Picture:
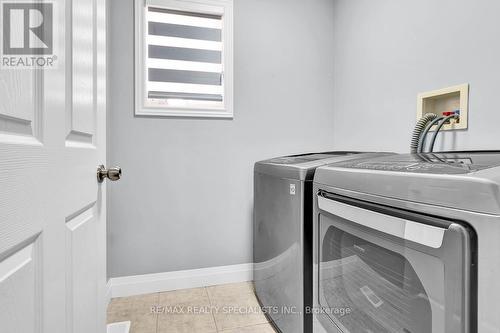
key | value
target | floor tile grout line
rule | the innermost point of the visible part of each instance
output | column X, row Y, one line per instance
column 157, row 304
column 250, row 292
column 247, row 326
column 211, row 309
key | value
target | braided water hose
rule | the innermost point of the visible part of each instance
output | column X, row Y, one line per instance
column 441, row 124
column 426, row 131
column 419, row 128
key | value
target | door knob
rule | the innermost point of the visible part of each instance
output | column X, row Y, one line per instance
column 112, row 174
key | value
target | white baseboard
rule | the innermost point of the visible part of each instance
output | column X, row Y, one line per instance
column 204, row 277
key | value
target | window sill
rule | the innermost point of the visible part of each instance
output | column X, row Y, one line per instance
column 183, row 113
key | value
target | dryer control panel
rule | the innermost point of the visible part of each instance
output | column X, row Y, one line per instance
column 442, row 163
column 304, row 158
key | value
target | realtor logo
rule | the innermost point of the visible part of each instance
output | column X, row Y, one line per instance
column 27, row 35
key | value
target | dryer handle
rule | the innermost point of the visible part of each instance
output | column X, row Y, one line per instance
column 424, row 234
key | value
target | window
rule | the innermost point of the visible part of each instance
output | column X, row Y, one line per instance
column 184, row 58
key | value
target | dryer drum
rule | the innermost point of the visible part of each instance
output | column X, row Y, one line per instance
column 381, row 283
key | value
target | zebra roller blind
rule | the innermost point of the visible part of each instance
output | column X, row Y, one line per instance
column 184, row 63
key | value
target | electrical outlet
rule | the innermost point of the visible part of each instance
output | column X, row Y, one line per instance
column 445, row 102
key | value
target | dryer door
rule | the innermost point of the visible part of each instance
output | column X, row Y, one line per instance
column 386, row 270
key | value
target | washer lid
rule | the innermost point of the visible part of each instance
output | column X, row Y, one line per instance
column 302, row 166
column 462, row 180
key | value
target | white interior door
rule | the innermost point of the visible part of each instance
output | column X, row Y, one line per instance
column 52, row 209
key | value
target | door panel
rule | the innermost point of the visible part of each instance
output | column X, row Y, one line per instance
column 81, row 272
column 81, row 115
column 20, row 287
column 20, row 110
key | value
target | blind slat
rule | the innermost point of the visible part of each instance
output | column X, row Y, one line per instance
column 185, row 96
column 184, row 31
column 187, row 54
column 184, row 20
column 183, row 13
column 184, row 42
column 185, row 88
column 184, row 65
column 169, row 75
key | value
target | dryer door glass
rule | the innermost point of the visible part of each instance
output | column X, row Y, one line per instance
column 401, row 278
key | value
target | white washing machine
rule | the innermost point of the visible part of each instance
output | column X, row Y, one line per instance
column 408, row 244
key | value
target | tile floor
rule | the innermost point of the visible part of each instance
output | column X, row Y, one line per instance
column 230, row 308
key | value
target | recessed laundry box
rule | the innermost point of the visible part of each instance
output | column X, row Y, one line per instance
column 283, row 236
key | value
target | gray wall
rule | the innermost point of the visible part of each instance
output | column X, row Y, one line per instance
column 185, row 200
column 387, row 51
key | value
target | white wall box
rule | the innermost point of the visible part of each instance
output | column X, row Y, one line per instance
column 184, row 58
column 446, row 100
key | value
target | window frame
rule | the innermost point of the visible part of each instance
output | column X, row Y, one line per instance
column 217, row 7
